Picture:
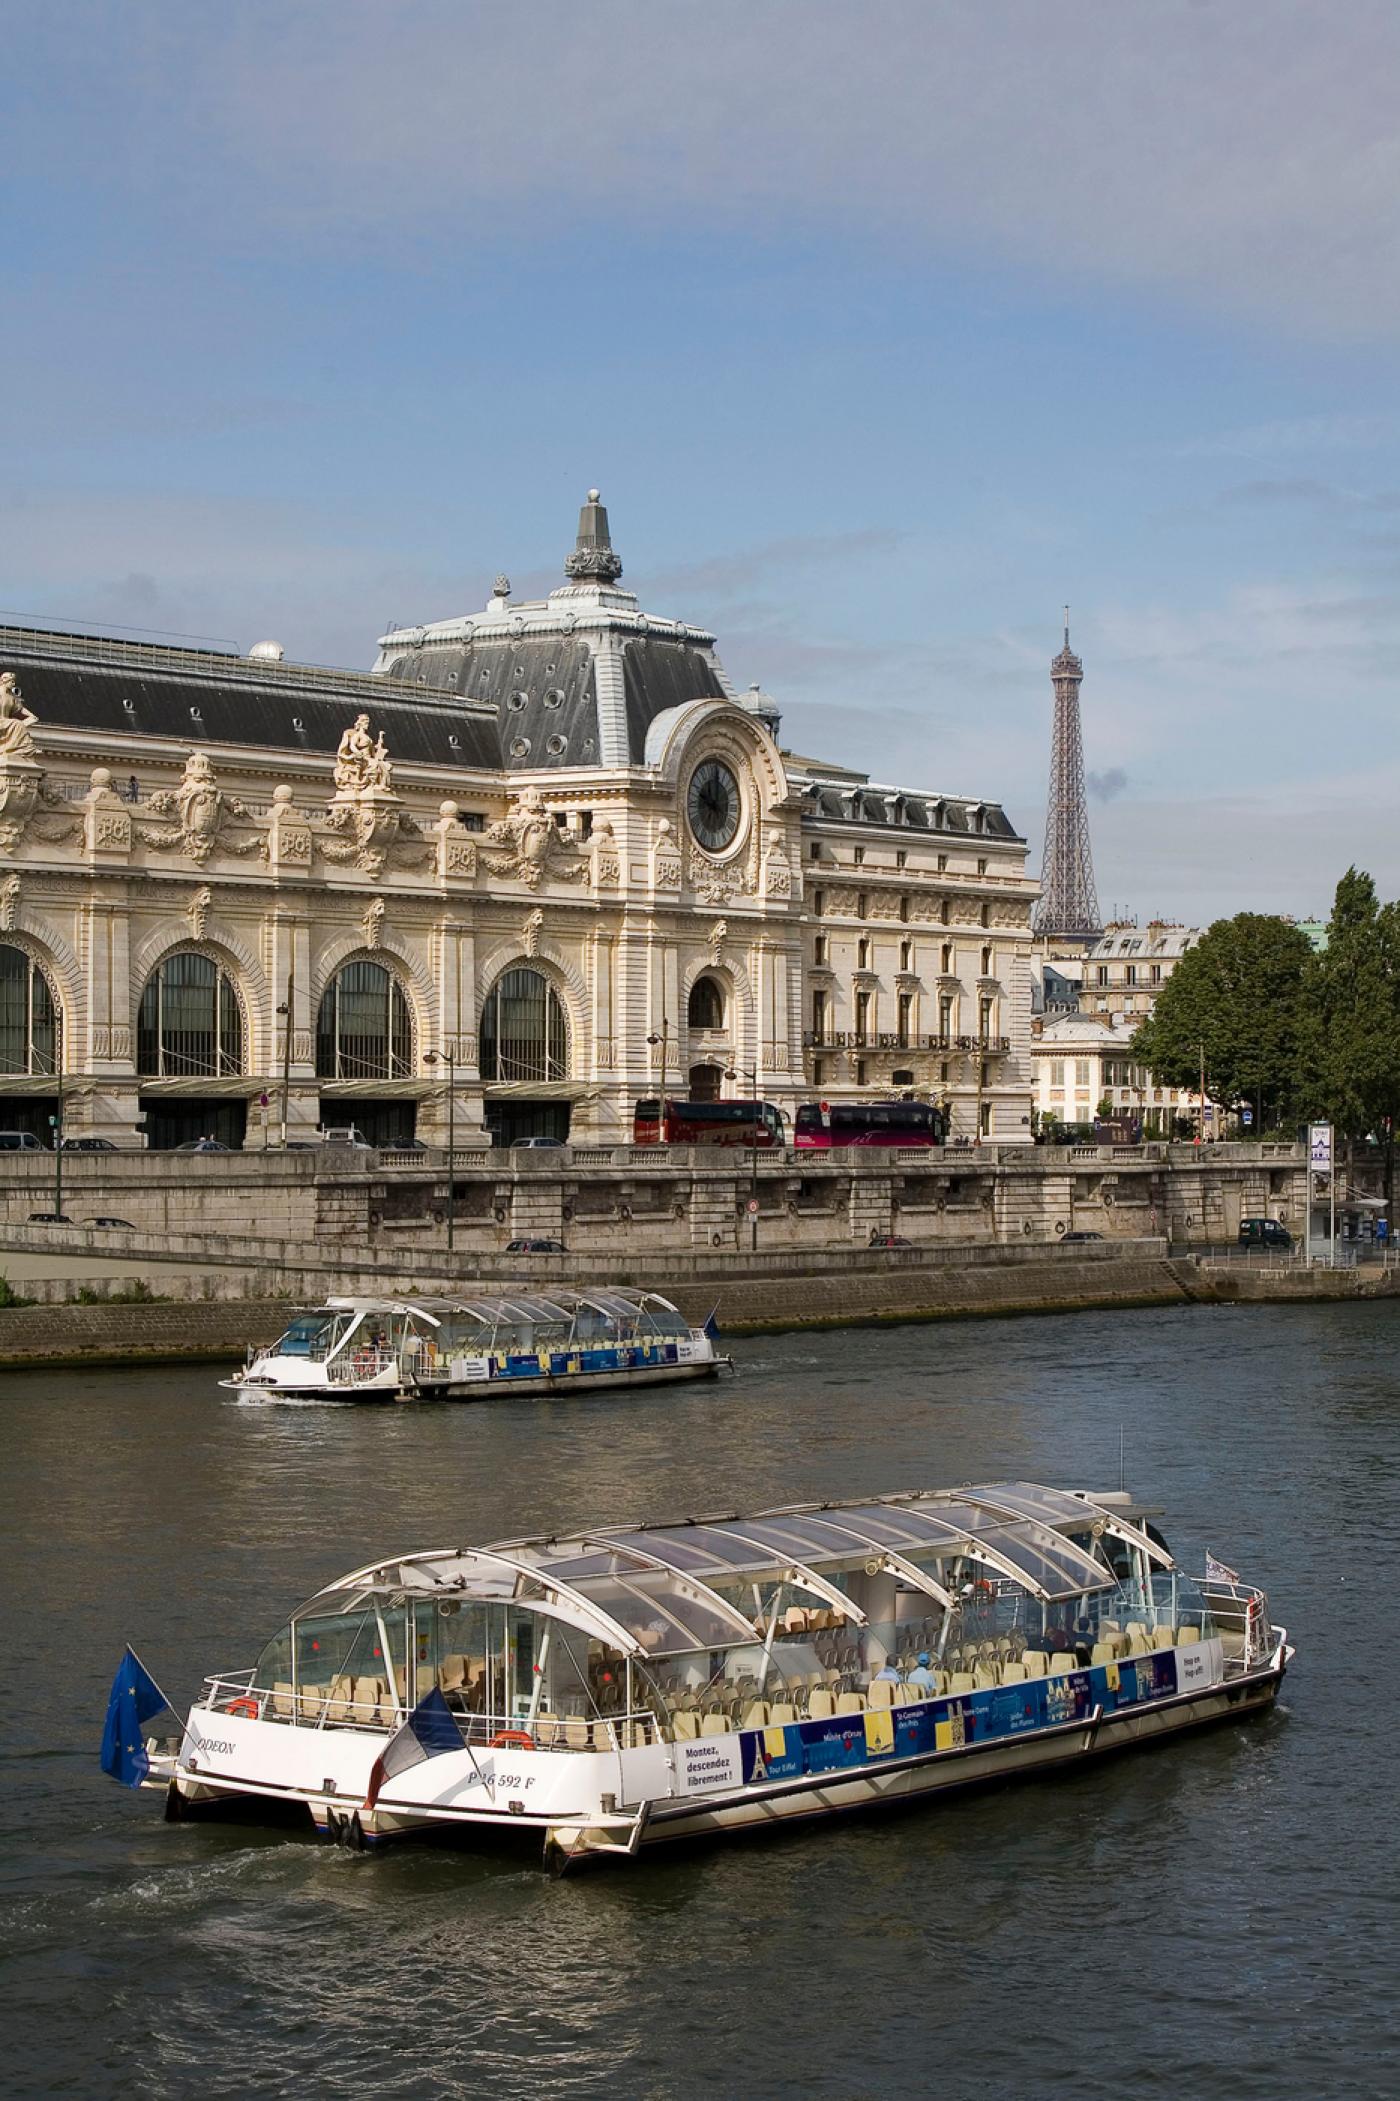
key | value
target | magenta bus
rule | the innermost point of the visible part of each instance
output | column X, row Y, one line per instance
column 757, row 1124
column 822, row 1125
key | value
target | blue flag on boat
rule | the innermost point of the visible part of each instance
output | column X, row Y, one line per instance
column 430, row 1730
column 135, row 1698
column 711, row 1328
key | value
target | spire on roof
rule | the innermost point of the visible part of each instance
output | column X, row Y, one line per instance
column 593, row 559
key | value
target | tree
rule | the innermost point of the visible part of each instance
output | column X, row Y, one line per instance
column 1353, row 1015
column 1235, row 1002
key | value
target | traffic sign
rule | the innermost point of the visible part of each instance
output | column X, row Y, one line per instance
column 1246, row 1117
column 752, row 1205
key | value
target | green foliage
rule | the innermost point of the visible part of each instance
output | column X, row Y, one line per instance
column 1237, row 1000
column 137, row 1293
column 9, row 1296
column 1353, row 1044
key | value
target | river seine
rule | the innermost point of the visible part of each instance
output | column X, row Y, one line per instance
column 1214, row 1918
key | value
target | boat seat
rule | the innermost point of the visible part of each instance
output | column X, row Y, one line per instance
column 424, row 1679
column 284, row 1698
column 1013, row 1674
column 755, row 1715
column 338, row 1699
column 962, row 1681
column 821, row 1704
column 849, row 1703
column 685, row 1725
column 882, row 1692
column 1104, row 1652
column 1187, row 1635
column 984, row 1677
column 1163, row 1637
column 905, row 1695
column 313, row 1701
column 780, row 1713
column 578, row 1735
column 1109, row 1627
column 1063, row 1661
column 1141, row 1643
column 714, row 1723
column 452, row 1673
column 1135, row 1627
column 1035, row 1661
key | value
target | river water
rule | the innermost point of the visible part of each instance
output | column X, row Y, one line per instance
column 1219, row 1917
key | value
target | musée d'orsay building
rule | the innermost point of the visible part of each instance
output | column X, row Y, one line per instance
column 532, row 854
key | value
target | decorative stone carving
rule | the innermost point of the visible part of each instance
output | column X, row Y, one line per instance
column 201, row 812
column 361, row 762
column 777, row 872
column 456, row 854
column 15, row 721
column 197, row 911
column 528, row 846
column 373, row 922
column 666, row 857
column 718, row 881
column 107, row 817
column 531, row 931
column 9, row 903
column 287, row 840
column 607, row 862
column 718, row 935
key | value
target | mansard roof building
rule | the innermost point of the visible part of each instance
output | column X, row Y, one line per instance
column 541, row 861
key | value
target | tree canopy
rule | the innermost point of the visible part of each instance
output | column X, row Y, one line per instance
column 1353, row 1013
column 1237, row 1001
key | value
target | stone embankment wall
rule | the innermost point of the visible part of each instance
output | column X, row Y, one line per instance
column 652, row 1203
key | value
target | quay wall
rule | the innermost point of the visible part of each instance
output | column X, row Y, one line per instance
column 656, row 1202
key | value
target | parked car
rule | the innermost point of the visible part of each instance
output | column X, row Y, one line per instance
column 88, row 1145
column 346, row 1134
column 50, row 1218
column 1083, row 1236
column 203, row 1145
column 1264, row 1232
column 535, row 1145
column 536, row 1247
column 113, row 1225
column 406, row 1145
column 19, row 1142
column 889, row 1240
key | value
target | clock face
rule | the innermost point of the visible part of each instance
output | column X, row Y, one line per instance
column 713, row 806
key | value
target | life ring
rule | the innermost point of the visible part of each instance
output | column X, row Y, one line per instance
column 521, row 1738
column 250, row 1708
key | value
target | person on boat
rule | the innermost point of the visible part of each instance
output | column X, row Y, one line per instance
column 889, row 1675
column 921, row 1674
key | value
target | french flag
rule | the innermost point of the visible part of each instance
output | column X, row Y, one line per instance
column 430, row 1731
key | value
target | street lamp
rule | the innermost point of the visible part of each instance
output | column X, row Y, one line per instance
column 449, row 1059
column 749, row 1073
column 285, row 1009
column 664, row 1039
column 58, row 1108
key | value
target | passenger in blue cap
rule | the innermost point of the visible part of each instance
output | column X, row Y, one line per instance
column 922, row 1675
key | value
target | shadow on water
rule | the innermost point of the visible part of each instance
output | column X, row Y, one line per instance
column 1220, row 1909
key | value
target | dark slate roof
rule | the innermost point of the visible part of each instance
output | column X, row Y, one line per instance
column 208, row 697
column 843, row 802
column 540, row 688
column 658, row 675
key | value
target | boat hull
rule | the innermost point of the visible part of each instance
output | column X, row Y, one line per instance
column 509, row 1387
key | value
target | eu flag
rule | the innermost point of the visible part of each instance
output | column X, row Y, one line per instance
column 134, row 1698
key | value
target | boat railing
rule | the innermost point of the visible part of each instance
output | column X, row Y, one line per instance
column 1240, row 1612
column 338, row 1705
column 363, row 1363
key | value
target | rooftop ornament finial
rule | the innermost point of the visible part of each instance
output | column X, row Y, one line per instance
column 593, row 559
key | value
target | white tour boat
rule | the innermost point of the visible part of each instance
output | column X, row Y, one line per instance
column 470, row 1349
column 613, row 1689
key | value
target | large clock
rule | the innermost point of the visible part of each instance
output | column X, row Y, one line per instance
column 713, row 805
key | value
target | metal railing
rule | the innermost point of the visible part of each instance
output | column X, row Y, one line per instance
column 332, row 1706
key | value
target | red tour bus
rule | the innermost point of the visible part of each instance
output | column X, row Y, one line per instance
column 757, row 1124
column 821, row 1125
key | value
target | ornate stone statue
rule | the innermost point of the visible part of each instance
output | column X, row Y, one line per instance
column 362, row 764
column 200, row 811
column 15, row 721
column 530, row 845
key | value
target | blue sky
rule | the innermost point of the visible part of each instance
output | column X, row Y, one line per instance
column 883, row 330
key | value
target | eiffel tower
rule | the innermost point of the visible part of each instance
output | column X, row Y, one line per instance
column 1068, row 907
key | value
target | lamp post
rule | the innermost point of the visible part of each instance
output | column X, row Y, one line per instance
column 749, row 1073
column 58, row 1109
column 449, row 1059
column 285, row 1009
column 664, row 1039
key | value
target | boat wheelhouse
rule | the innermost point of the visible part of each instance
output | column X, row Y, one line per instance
column 517, row 1342
column 616, row 1688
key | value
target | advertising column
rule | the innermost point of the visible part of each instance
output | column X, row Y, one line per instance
column 1321, row 1183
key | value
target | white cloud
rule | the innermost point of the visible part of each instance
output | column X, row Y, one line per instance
column 1245, row 157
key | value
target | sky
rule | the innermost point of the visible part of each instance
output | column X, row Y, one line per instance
column 884, row 330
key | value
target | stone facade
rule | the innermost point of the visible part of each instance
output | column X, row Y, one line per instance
column 539, row 863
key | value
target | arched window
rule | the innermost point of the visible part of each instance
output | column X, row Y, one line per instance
column 524, row 1032
column 190, row 1022
column 28, row 1030
column 706, row 1005
column 362, row 1026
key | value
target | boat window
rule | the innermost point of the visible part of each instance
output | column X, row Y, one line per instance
column 653, row 1608
column 312, row 1335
